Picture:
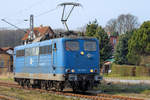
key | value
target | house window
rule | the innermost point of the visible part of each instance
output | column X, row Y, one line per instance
column 114, row 41
column 1, row 63
column 8, row 62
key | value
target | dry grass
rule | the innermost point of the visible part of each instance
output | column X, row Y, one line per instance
column 7, row 77
column 21, row 94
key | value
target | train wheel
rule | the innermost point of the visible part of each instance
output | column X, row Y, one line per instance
column 59, row 87
column 74, row 89
column 49, row 85
column 44, row 85
column 74, row 86
column 28, row 84
column 22, row 83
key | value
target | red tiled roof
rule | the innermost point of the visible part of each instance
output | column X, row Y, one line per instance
column 6, row 48
column 1, row 49
column 42, row 30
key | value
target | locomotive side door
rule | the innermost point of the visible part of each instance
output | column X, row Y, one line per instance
column 54, row 58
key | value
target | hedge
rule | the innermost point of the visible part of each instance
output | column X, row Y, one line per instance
column 142, row 71
column 127, row 70
column 145, row 61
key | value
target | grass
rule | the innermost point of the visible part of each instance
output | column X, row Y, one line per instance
column 7, row 77
column 132, row 90
column 30, row 94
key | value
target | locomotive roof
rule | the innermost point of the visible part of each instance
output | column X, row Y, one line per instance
column 47, row 41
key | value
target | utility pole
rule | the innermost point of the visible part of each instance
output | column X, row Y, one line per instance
column 31, row 34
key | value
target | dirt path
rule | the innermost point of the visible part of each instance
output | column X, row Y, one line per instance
column 116, row 80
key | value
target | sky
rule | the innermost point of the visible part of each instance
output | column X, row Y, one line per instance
column 47, row 13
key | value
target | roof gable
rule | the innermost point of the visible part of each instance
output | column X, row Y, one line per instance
column 39, row 31
column 7, row 48
column 3, row 51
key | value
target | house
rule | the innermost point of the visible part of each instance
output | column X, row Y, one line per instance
column 105, row 69
column 6, row 61
column 113, row 38
column 9, row 50
column 40, row 33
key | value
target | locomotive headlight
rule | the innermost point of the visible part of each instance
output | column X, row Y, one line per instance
column 91, row 70
column 82, row 53
column 72, row 70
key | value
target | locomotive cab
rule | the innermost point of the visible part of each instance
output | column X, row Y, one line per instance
column 81, row 60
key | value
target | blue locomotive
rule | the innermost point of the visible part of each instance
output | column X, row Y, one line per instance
column 58, row 63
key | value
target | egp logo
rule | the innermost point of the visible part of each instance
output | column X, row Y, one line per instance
column 82, row 70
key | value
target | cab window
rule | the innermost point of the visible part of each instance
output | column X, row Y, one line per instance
column 90, row 46
column 72, row 45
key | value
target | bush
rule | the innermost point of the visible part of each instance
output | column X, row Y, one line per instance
column 134, row 59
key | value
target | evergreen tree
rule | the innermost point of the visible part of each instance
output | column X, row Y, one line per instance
column 91, row 28
column 121, row 49
column 94, row 30
column 139, row 44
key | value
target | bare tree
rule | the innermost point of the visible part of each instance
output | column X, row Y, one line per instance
column 111, row 26
column 82, row 30
column 122, row 24
column 132, row 22
column 10, row 38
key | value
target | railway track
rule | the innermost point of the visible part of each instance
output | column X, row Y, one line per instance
column 77, row 95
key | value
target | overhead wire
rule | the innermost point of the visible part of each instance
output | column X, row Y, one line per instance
column 43, row 13
column 26, row 9
column 19, row 12
column 36, row 16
